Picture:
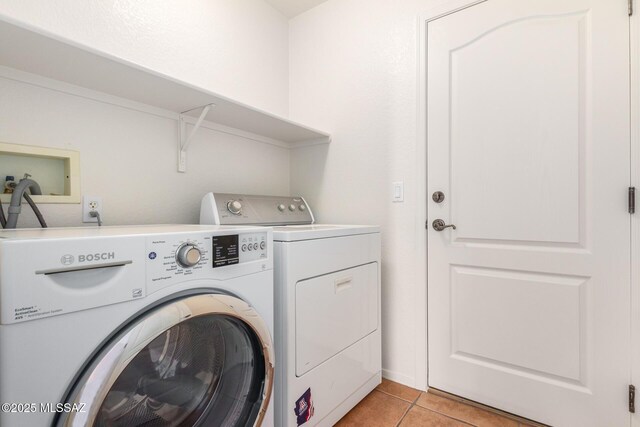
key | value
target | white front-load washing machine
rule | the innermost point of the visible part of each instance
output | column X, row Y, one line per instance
column 327, row 305
column 136, row 326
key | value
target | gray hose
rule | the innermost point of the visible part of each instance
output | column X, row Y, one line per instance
column 3, row 219
column 16, row 200
column 36, row 211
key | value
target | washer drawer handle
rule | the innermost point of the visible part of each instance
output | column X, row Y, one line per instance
column 84, row 267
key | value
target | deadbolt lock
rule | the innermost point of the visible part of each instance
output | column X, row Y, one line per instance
column 438, row 197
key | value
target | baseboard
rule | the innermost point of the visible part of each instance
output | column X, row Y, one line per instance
column 399, row 378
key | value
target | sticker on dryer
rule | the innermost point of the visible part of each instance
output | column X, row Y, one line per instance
column 304, row 407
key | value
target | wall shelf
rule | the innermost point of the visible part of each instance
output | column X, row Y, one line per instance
column 36, row 52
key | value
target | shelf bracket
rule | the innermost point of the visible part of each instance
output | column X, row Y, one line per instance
column 184, row 140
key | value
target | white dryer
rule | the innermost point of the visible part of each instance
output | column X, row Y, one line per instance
column 136, row 326
column 327, row 305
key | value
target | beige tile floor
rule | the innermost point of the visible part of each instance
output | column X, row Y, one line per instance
column 392, row 404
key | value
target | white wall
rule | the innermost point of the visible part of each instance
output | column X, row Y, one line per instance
column 129, row 158
column 353, row 67
column 234, row 47
column 237, row 48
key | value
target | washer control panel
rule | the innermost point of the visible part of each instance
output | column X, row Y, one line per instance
column 70, row 270
column 238, row 248
column 188, row 255
column 237, row 209
column 170, row 257
column 253, row 246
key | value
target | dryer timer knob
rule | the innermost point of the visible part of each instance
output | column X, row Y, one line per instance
column 234, row 206
column 188, row 255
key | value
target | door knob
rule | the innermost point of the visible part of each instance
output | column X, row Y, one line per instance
column 440, row 225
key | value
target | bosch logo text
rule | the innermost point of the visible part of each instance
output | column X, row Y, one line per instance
column 97, row 257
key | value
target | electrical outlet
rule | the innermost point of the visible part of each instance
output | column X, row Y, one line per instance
column 91, row 203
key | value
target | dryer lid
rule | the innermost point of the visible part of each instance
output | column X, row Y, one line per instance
column 293, row 233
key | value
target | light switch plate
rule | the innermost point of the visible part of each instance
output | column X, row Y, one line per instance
column 397, row 194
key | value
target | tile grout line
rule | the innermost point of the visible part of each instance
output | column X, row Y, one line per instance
column 468, row 403
column 524, row 422
column 414, row 404
column 397, row 397
column 408, row 409
column 451, row 417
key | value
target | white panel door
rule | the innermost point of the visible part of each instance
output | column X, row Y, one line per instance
column 528, row 139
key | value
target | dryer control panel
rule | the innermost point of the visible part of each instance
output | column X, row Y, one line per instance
column 239, row 209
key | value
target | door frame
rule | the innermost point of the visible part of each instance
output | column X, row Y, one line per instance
column 446, row 7
column 634, row 56
column 443, row 8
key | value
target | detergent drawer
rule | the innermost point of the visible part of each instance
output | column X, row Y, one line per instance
column 334, row 311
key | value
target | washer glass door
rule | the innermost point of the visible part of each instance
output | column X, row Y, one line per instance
column 201, row 360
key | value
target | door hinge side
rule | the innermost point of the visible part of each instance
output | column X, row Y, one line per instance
column 632, row 399
column 630, row 7
column 632, row 200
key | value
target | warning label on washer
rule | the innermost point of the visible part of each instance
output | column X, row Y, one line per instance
column 304, row 407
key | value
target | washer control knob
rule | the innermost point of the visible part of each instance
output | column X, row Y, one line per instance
column 263, row 245
column 188, row 255
column 235, row 207
column 292, row 207
column 281, row 207
column 302, row 208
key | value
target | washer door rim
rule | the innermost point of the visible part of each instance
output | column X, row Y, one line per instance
column 114, row 358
